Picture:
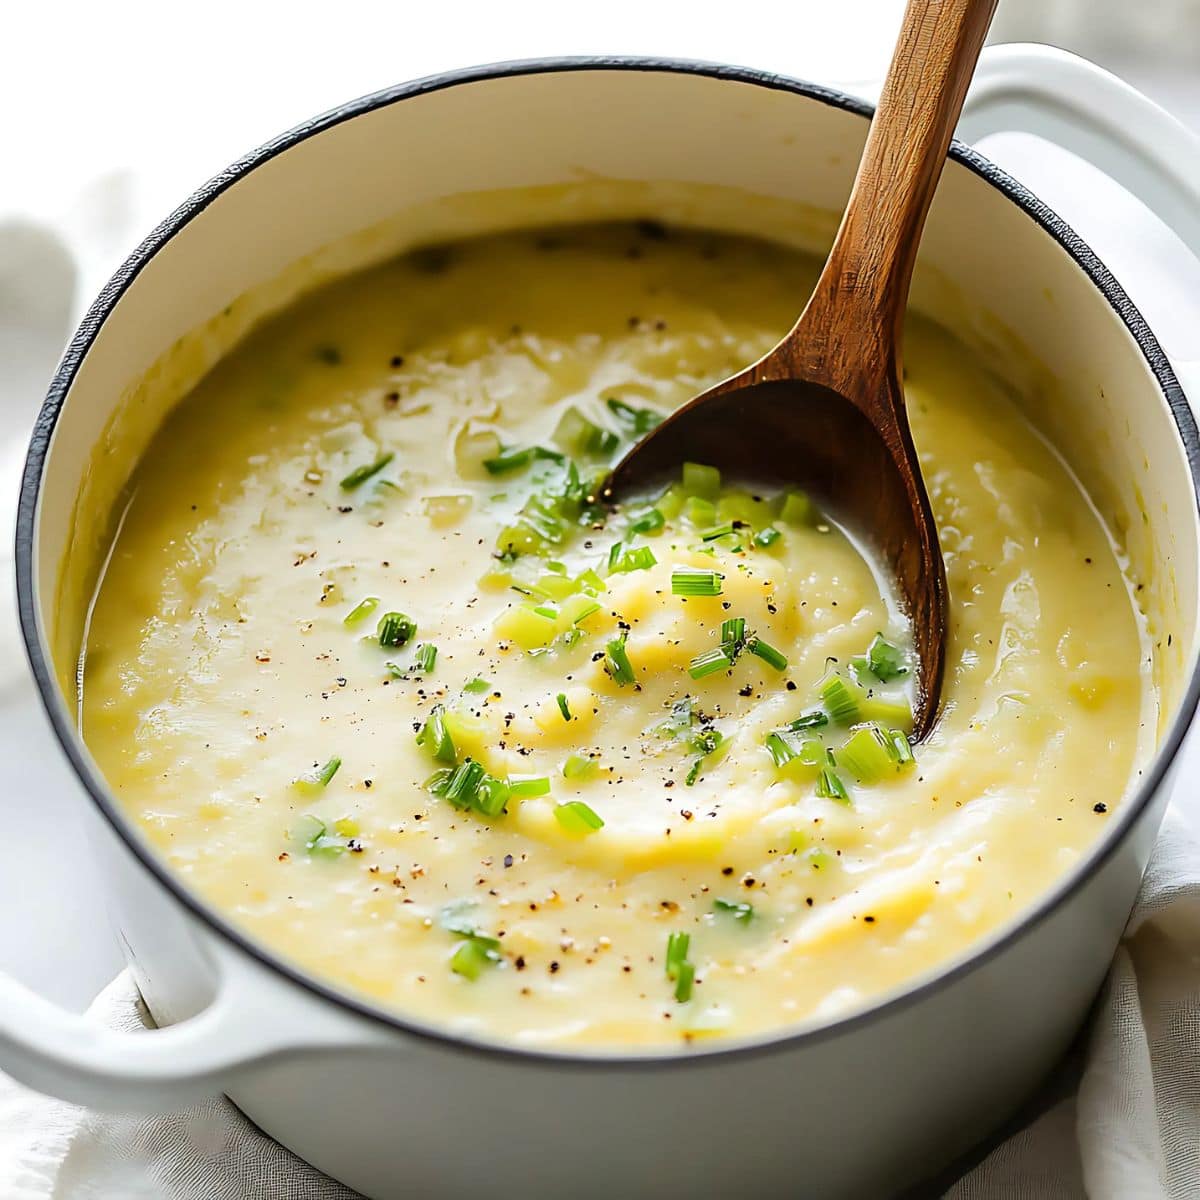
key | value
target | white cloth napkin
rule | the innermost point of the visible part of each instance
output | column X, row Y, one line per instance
column 1131, row 1132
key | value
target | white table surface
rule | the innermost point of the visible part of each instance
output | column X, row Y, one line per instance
column 116, row 112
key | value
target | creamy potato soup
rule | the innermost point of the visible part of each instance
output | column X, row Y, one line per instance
column 382, row 685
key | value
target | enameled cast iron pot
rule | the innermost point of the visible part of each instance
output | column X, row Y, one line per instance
column 864, row 1106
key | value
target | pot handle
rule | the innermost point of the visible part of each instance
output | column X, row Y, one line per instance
column 250, row 1021
column 1079, row 106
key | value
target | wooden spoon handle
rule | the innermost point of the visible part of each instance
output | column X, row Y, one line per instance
column 852, row 323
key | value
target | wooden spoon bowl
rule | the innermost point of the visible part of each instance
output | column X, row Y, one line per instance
column 824, row 410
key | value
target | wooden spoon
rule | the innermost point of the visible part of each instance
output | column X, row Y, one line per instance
column 825, row 409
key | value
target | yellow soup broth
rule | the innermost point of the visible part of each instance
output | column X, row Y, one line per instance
column 497, row 820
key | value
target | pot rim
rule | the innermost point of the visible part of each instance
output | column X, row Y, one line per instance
column 101, row 308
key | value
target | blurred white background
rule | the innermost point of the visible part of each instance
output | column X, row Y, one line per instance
column 110, row 114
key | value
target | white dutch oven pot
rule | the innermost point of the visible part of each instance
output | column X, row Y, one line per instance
column 864, row 1106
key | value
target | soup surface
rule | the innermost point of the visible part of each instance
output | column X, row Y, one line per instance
column 377, row 683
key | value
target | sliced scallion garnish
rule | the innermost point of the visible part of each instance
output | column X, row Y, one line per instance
column 650, row 521
column 798, row 509
column 463, row 784
column 709, row 662
column 684, row 982
column 701, row 480
column 901, row 747
column 396, row 629
column 768, row 653
column 739, row 910
column 578, row 818
column 425, row 657
column 677, row 952
column 884, row 660
column 767, row 537
column 563, row 706
column 318, row 778
column 616, row 662
column 473, row 956
column 639, row 421
column 579, row 766
column 363, row 609
column 867, row 755
column 435, row 738
column 814, row 719
column 639, row 559
column 841, row 699
column 476, row 686
column 830, row 786
column 679, row 968
column 523, row 787
column 690, row 581
column 360, row 475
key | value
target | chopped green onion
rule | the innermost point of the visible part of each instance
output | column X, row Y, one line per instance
column 563, row 706
column 884, row 660
column 650, row 521
column 425, row 657
column 767, row 537
column 678, row 967
column 738, row 909
column 699, row 511
column 579, row 766
column 463, row 784
column 473, row 956
column 694, row 773
column 616, row 661
column 901, row 749
column 798, row 509
column 476, row 686
column 492, row 795
column 614, row 554
column 733, row 636
column 640, row 559
column 522, row 787
column 578, row 608
column 717, row 531
column 318, row 779
column 684, row 981
column 313, row 835
column 435, row 737
column 639, row 420
column 677, row 952
column 815, row 719
column 840, row 698
column 866, row 755
column 709, row 663
column 768, row 653
column 544, row 610
column 513, row 459
column 363, row 609
column 396, row 629
column 780, row 747
column 308, row 831
column 891, row 712
column 590, row 582
column 830, row 787
column 551, row 587
column 577, row 434
column 701, row 480
column 688, row 581
column 577, row 818
column 360, row 475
